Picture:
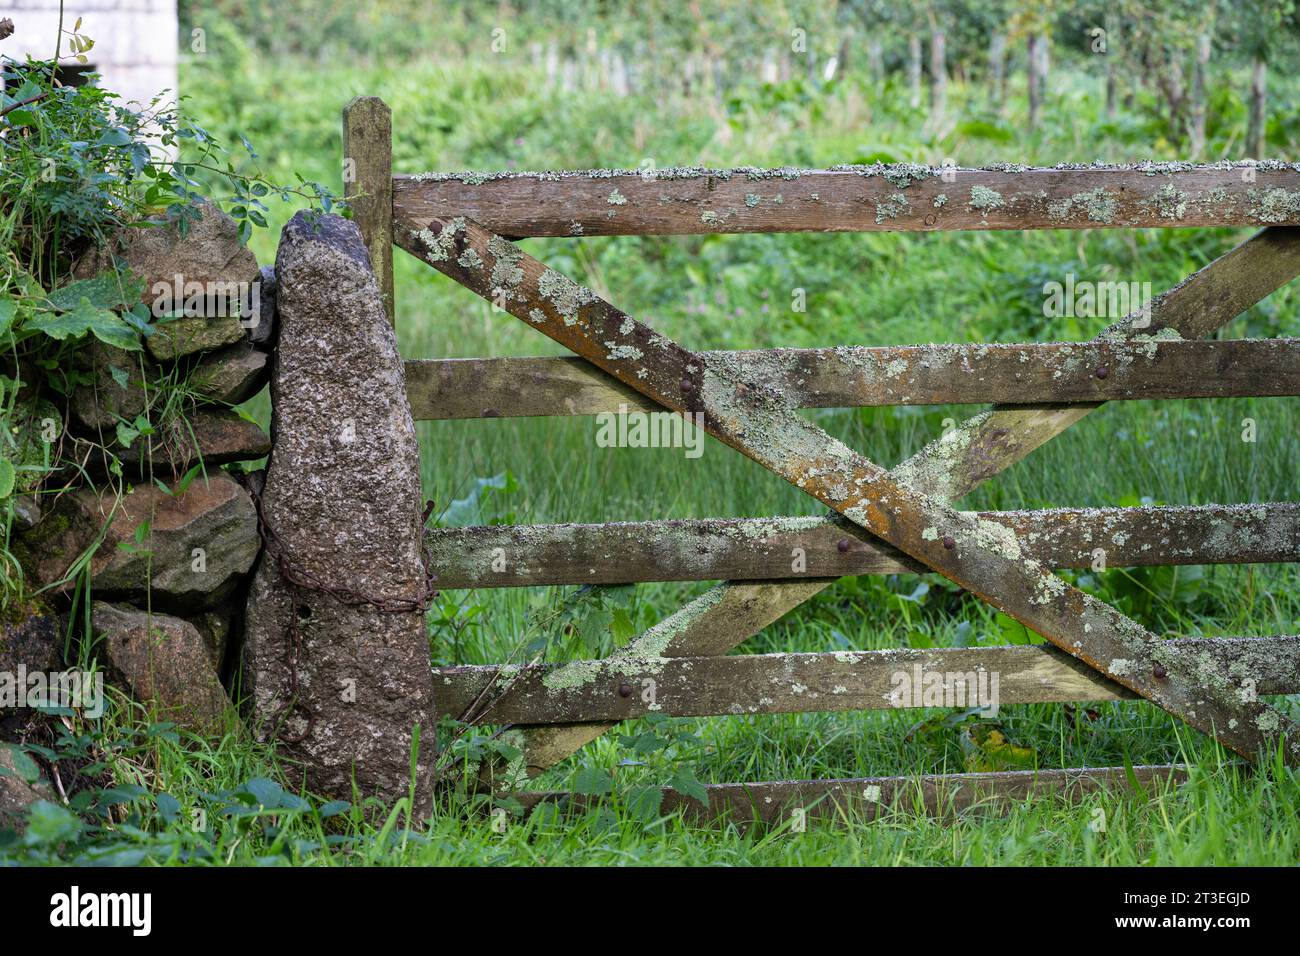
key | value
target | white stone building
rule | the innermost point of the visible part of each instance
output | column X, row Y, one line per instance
column 135, row 49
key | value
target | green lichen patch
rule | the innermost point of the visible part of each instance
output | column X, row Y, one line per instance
column 440, row 245
column 565, row 294
column 985, row 200
column 1096, row 204
column 891, row 208
column 1274, row 205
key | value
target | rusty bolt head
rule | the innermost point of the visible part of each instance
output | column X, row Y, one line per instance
column 687, row 385
column 1159, row 671
column 843, row 545
column 624, row 690
column 949, row 542
column 1102, row 371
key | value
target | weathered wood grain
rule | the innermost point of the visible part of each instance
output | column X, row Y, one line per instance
column 871, row 798
column 847, row 377
column 826, row 547
column 368, row 184
column 619, row 688
column 758, row 423
column 876, row 198
column 727, row 615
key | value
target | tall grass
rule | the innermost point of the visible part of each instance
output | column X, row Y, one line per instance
column 735, row 292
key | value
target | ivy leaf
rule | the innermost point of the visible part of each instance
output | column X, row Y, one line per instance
column 126, row 434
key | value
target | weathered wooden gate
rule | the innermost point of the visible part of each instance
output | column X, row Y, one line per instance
column 887, row 520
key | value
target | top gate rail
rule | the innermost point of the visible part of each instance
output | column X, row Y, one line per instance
column 462, row 224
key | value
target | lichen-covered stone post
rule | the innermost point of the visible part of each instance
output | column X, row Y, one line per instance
column 336, row 661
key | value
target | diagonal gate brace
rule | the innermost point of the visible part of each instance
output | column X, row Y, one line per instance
column 978, row 555
column 729, row 613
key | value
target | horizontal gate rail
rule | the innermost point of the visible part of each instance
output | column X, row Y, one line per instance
column 620, row 689
column 495, row 556
column 984, row 445
column 879, row 198
column 462, row 224
column 853, row 376
column 758, row 423
column 869, row 798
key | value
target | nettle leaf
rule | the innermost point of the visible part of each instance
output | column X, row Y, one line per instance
column 49, row 823
column 687, row 784
column 592, row 782
column 644, row 803
column 108, row 290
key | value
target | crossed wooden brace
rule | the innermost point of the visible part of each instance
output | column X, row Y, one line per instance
column 907, row 507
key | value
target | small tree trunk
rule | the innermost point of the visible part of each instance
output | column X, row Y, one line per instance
column 1034, row 84
column 1111, row 91
column 1197, row 124
column 876, row 59
column 938, row 76
column 1255, row 130
column 997, row 66
column 914, row 68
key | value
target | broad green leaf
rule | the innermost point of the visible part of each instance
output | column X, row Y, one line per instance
column 268, row 793
column 61, row 325
column 109, row 328
column 8, row 309
column 7, row 477
column 108, row 290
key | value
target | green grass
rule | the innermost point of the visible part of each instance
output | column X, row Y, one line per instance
column 735, row 292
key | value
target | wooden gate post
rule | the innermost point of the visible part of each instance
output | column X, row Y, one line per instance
column 368, row 185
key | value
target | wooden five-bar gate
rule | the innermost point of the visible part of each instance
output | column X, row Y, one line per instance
column 886, row 520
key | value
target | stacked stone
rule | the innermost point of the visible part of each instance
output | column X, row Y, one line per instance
column 176, row 547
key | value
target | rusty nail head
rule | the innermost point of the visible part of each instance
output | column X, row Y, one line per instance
column 949, row 542
column 624, row 690
column 843, row 545
column 1102, row 371
column 1159, row 671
